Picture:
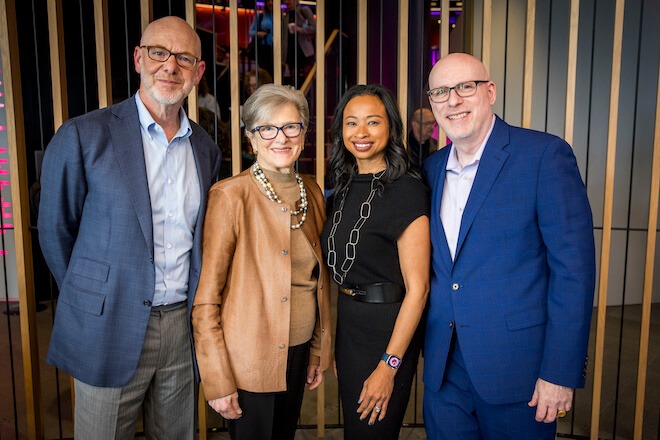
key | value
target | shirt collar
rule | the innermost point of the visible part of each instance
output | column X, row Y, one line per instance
column 149, row 125
column 452, row 162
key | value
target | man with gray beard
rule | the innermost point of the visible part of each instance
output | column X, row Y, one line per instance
column 122, row 203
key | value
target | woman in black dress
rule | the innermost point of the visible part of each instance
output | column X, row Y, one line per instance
column 377, row 246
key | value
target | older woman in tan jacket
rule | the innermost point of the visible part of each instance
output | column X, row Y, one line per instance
column 261, row 314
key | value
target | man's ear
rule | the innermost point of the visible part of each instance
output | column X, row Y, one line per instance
column 137, row 55
column 201, row 67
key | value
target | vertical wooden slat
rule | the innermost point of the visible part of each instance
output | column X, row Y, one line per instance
column 444, row 28
column 571, row 74
column 320, row 163
column 607, row 217
column 402, row 76
column 234, row 88
column 202, row 423
column 487, row 23
column 444, row 51
column 57, row 63
column 320, row 96
column 647, row 297
column 277, row 41
column 146, row 13
column 193, row 110
column 102, row 38
column 362, row 42
column 529, row 64
column 21, row 217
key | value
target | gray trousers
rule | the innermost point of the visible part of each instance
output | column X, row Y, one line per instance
column 163, row 382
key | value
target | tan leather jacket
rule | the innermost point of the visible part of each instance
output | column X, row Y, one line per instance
column 241, row 309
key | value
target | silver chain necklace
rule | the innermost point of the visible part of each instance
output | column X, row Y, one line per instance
column 354, row 236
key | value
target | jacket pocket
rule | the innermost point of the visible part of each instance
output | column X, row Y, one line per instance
column 526, row 318
column 84, row 301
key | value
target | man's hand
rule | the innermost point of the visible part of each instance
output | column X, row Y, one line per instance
column 227, row 406
column 548, row 399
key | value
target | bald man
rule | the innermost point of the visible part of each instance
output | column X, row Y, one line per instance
column 124, row 190
column 513, row 269
column 420, row 141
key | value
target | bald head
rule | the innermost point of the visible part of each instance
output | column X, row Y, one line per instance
column 172, row 27
column 465, row 118
column 163, row 60
column 456, row 67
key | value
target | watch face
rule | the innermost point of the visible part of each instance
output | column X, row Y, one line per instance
column 394, row 362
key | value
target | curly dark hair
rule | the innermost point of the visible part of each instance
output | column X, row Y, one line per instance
column 342, row 163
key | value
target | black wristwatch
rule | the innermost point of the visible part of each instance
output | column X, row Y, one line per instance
column 391, row 360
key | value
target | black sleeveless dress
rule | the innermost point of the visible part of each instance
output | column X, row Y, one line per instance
column 364, row 329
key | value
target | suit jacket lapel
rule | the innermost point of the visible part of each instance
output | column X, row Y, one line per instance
column 127, row 142
column 490, row 165
column 438, row 234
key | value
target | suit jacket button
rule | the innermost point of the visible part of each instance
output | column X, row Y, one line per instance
column 455, row 286
column 281, row 345
column 146, row 303
column 451, row 324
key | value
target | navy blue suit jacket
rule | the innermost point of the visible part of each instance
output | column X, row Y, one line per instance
column 96, row 233
column 519, row 293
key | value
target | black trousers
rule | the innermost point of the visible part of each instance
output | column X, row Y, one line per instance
column 274, row 416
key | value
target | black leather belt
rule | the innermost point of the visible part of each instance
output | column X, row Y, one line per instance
column 378, row 293
column 169, row 307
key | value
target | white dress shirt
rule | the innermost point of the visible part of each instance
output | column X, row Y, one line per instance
column 175, row 197
column 456, row 191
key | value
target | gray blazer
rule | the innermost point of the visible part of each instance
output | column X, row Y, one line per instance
column 96, row 234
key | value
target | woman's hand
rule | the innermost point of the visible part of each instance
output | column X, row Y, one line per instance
column 261, row 34
column 376, row 393
column 227, row 406
column 314, row 376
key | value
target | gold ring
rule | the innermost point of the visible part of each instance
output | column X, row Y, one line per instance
column 561, row 413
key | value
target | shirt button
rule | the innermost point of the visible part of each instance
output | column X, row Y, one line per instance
column 167, row 277
column 170, row 214
column 460, row 209
column 146, row 303
column 168, row 245
column 281, row 345
column 284, row 299
column 285, row 252
column 283, row 208
column 170, row 181
column 455, row 286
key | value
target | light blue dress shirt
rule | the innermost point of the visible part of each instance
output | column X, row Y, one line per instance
column 456, row 191
column 175, row 197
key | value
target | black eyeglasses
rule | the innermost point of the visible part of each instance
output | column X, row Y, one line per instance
column 464, row 89
column 161, row 55
column 268, row 132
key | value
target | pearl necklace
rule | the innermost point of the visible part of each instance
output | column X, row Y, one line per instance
column 272, row 195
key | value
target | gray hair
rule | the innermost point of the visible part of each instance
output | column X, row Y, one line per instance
column 268, row 99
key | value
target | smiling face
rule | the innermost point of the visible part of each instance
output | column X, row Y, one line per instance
column 466, row 121
column 281, row 153
column 166, row 83
column 366, row 132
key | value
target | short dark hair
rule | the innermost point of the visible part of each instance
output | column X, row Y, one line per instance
column 397, row 160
